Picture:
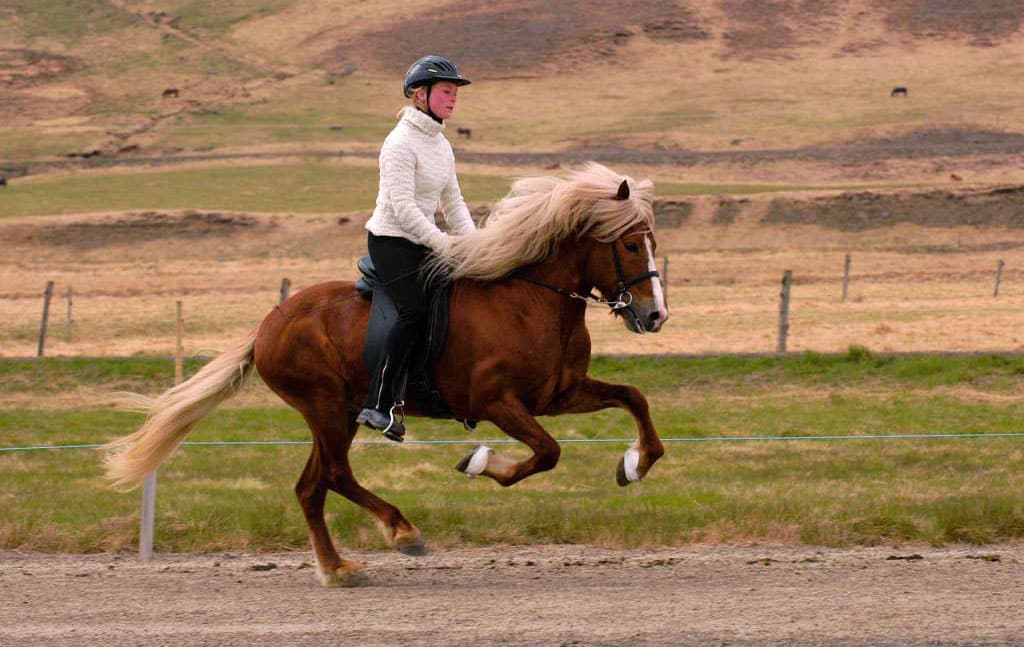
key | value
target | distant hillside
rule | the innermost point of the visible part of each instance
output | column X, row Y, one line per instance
column 171, row 75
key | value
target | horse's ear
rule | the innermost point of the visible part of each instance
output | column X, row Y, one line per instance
column 623, row 193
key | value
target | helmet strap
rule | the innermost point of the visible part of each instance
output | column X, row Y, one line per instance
column 429, row 111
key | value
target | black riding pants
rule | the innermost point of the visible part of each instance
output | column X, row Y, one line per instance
column 398, row 262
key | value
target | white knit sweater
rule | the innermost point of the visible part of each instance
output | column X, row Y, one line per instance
column 417, row 171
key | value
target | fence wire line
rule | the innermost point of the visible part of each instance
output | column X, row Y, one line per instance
column 508, row 441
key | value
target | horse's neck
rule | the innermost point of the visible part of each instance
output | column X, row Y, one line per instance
column 564, row 269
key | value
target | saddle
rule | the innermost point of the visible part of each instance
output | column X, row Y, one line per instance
column 419, row 389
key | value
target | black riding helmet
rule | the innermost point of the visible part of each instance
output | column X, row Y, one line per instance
column 431, row 69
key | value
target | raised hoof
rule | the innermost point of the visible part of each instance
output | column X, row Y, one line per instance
column 628, row 471
column 414, row 548
column 464, row 463
column 475, row 462
column 620, row 473
column 345, row 578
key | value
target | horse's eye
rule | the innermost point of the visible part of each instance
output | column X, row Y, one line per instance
column 633, row 248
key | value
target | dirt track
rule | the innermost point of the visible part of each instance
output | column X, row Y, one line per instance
column 550, row 595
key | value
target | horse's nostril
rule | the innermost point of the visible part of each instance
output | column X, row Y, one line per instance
column 654, row 316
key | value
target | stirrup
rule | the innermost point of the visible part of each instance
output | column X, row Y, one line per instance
column 396, row 427
column 384, row 422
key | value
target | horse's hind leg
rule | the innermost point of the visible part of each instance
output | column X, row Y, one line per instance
column 404, row 536
column 328, row 468
column 311, row 490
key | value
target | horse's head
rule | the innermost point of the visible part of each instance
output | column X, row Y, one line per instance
column 625, row 272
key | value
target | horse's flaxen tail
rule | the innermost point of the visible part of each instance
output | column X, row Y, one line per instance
column 173, row 414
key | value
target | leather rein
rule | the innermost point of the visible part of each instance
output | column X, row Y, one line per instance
column 622, row 299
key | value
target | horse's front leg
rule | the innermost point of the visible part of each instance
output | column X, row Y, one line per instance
column 594, row 395
column 515, row 420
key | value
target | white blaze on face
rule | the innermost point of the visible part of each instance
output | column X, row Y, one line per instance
column 659, row 294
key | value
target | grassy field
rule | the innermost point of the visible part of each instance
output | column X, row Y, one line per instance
column 317, row 187
column 298, row 187
column 817, row 492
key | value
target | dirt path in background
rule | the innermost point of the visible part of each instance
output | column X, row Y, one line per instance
column 543, row 595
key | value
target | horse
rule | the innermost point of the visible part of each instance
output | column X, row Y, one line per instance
column 899, row 91
column 517, row 348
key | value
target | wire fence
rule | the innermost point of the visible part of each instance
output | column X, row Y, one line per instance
column 508, row 441
column 828, row 309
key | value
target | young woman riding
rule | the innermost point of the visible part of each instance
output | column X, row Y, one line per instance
column 417, row 173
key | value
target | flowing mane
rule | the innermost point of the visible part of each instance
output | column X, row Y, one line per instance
column 538, row 213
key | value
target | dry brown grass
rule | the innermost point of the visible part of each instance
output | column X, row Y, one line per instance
column 912, row 288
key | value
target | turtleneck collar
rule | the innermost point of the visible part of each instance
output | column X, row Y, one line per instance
column 422, row 121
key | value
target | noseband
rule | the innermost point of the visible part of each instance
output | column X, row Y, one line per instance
column 622, row 296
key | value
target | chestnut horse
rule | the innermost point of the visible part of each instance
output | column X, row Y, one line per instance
column 518, row 347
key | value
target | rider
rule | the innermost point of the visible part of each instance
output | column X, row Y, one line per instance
column 417, row 173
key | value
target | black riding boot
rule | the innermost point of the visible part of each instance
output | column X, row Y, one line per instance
column 398, row 262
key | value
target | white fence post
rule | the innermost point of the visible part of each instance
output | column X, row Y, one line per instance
column 147, row 523
column 148, row 520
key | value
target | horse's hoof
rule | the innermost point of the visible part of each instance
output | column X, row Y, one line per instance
column 620, row 473
column 413, row 548
column 475, row 462
column 626, row 472
column 345, row 578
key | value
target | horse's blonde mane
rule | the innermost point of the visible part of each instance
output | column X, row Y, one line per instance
column 539, row 212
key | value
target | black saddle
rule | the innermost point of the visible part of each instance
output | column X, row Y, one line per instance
column 383, row 314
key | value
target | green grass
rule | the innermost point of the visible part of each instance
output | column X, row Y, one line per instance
column 67, row 21
column 21, row 144
column 303, row 187
column 308, row 187
column 817, row 492
column 219, row 17
column 304, row 120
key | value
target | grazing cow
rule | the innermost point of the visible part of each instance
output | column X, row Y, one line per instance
column 465, row 132
column 898, row 91
column 170, row 92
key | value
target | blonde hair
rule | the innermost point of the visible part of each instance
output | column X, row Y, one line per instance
column 419, row 104
column 527, row 225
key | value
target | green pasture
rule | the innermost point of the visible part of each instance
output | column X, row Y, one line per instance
column 301, row 187
column 825, row 492
column 218, row 17
column 309, row 187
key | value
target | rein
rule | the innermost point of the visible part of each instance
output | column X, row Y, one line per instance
column 590, row 299
column 623, row 298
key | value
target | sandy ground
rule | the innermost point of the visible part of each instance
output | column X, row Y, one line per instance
column 544, row 595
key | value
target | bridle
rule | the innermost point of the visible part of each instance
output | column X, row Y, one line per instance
column 622, row 298
column 622, row 286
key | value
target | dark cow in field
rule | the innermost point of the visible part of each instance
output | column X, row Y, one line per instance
column 899, row 91
column 170, row 92
column 464, row 132
column 3, row 181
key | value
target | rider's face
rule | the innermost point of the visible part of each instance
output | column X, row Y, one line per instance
column 442, row 98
